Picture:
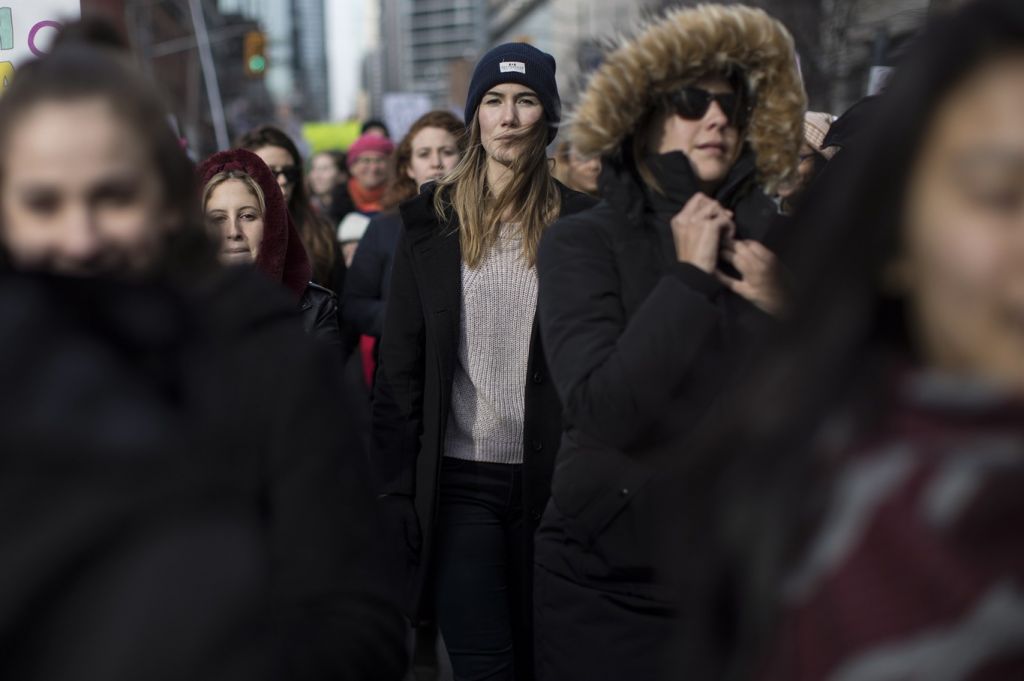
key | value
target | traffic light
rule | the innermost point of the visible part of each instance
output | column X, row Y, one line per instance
column 254, row 52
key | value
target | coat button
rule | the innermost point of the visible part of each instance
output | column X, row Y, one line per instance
column 624, row 492
column 536, row 515
column 537, row 377
column 537, row 445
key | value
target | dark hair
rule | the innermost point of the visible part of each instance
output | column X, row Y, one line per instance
column 89, row 61
column 402, row 187
column 374, row 123
column 754, row 482
column 91, row 30
column 792, row 203
column 317, row 236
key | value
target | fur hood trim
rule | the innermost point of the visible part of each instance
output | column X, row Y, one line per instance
column 684, row 45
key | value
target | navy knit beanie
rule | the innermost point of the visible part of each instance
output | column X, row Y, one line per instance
column 517, row 63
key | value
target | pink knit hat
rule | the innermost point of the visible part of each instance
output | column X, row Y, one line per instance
column 370, row 142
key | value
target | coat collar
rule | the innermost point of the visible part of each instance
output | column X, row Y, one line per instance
column 436, row 253
column 624, row 189
column 436, row 249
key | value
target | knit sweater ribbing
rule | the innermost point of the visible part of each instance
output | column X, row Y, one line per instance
column 499, row 301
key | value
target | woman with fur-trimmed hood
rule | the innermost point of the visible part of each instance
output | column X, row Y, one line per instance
column 645, row 301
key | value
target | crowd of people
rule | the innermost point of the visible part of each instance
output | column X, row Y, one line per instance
column 719, row 388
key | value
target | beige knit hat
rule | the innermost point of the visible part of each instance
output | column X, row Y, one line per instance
column 816, row 125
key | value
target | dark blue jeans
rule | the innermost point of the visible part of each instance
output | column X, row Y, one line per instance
column 480, row 572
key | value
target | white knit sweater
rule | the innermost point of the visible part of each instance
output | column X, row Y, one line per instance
column 499, row 299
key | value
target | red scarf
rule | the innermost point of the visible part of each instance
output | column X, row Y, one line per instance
column 366, row 200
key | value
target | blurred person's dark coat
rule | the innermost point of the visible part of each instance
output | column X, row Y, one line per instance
column 640, row 344
column 853, row 123
column 180, row 499
column 367, row 287
column 369, row 277
column 856, row 511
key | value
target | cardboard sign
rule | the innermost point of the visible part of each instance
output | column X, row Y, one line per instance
column 27, row 27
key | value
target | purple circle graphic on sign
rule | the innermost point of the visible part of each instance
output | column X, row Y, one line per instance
column 35, row 30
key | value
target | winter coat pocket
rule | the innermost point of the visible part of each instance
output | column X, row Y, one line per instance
column 592, row 486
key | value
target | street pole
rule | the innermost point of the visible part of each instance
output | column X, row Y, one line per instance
column 220, row 127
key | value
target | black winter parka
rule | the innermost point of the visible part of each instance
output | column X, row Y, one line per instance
column 639, row 345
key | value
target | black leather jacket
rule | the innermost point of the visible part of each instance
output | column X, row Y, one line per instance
column 319, row 309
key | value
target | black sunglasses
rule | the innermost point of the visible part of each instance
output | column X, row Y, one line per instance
column 692, row 103
column 292, row 174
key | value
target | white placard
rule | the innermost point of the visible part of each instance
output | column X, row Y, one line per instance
column 401, row 109
column 27, row 27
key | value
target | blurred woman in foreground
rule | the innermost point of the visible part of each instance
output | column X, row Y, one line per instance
column 868, row 524
column 184, row 503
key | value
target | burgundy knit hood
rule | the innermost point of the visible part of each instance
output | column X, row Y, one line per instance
column 282, row 256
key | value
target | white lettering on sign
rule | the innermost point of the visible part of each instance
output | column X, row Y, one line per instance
column 507, row 66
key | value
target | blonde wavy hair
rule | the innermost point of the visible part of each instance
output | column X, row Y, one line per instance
column 531, row 199
column 220, row 178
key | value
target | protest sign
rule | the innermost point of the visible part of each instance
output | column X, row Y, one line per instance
column 27, row 27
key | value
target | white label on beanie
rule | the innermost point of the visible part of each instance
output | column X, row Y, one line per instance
column 507, row 66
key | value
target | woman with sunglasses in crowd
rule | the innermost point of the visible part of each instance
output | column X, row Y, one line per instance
column 279, row 152
column 644, row 303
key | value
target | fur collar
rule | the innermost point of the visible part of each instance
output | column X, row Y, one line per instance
column 686, row 44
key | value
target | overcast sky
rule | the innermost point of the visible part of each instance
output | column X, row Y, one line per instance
column 345, row 44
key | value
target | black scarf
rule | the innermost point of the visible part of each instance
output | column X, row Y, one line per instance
column 679, row 183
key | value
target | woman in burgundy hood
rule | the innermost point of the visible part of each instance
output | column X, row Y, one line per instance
column 244, row 208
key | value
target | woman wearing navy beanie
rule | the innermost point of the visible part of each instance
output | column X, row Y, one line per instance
column 465, row 420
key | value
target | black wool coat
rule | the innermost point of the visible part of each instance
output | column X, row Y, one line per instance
column 417, row 359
